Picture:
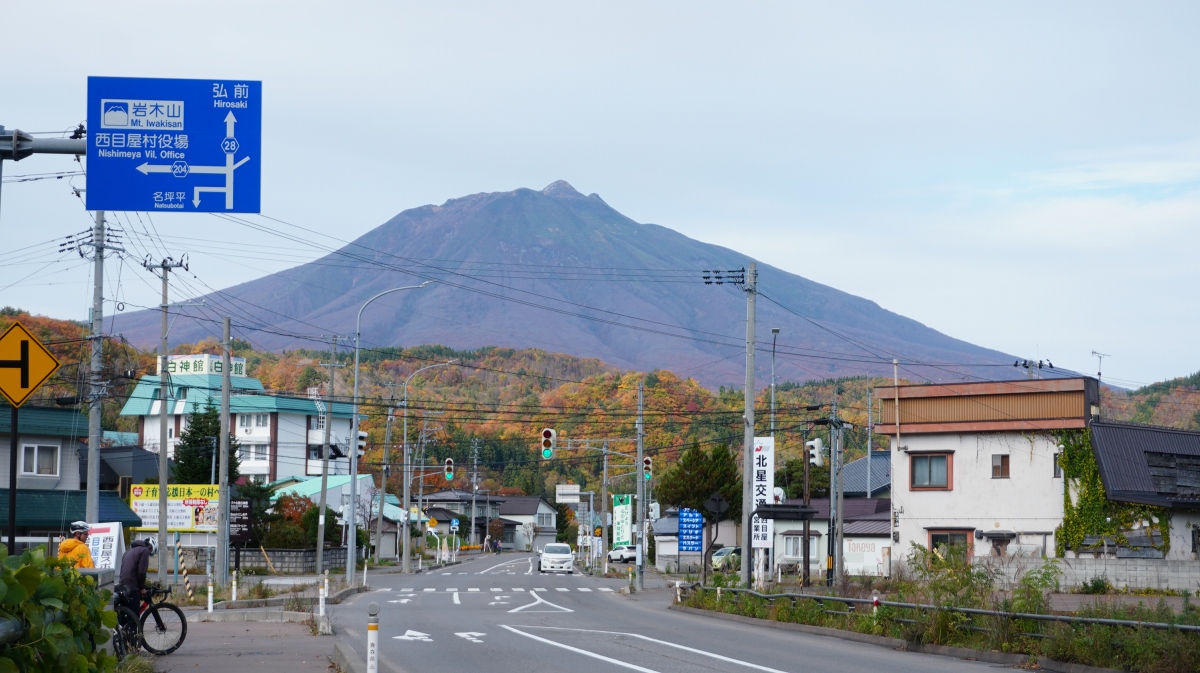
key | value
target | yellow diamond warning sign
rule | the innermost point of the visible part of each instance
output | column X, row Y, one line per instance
column 25, row 364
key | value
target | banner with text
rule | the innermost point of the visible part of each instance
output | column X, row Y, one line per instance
column 191, row 508
column 622, row 520
column 106, row 544
column 762, row 531
column 691, row 530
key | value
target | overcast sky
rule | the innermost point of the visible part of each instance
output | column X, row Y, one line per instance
column 1024, row 176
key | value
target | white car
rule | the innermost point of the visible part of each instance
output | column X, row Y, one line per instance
column 626, row 553
column 556, row 558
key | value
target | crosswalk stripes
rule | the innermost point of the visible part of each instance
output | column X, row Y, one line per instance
column 451, row 590
column 472, row 589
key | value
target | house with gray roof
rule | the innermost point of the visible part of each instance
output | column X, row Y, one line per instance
column 536, row 521
column 281, row 435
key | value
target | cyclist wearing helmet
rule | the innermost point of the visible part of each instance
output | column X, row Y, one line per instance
column 75, row 548
column 134, row 563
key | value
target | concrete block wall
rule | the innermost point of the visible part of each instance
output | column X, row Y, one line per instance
column 1131, row 573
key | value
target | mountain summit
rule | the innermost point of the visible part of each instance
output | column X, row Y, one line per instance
column 557, row 270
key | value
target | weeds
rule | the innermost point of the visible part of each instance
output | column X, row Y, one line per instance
column 136, row 663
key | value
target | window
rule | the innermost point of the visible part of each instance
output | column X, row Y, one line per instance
column 244, row 421
column 316, row 422
column 243, row 453
column 791, row 546
column 41, row 461
column 931, row 472
column 946, row 538
column 314, row 452
column 999, row 466
column 1057, row 466
column 171, row 435
column 260, row 452
column 260, row 420
column 509, row 535
column 545, row 521
column 183, row 396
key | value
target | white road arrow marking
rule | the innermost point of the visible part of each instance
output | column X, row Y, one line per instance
column 538, row 601
column 414, row 635
column 229, row 121
column 472, row 636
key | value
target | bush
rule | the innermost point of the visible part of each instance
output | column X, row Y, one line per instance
column 287, row 535
column 63, row 611
column 1096, row 585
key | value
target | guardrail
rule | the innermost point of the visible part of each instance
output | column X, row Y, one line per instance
column 850, row 604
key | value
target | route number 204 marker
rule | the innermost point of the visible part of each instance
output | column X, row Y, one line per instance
column 167, row 144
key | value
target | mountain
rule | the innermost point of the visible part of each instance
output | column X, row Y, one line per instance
column 557, row 270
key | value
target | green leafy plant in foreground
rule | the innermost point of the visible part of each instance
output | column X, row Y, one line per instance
column 62, row 611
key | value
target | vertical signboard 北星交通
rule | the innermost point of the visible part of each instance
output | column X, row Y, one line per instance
column 762, row 531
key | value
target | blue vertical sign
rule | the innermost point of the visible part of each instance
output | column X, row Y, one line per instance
column 691, row 530
column 174, row 145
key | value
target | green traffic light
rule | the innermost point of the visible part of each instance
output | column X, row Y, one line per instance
column 449, row 476
column 547, row 453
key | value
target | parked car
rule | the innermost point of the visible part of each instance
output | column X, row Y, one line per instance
column 623, row 554
column 556, row 558
column 722, row 556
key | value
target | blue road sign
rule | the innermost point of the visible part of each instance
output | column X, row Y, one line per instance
column 691, row 530
column 174, row 145
column 454, row 523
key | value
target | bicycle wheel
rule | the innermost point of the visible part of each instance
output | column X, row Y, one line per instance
column 125, row 636
column 163, row 628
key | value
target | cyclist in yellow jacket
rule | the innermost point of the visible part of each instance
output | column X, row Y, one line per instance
column 75, row 548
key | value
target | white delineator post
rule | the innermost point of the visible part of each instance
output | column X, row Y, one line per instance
column 234, row 594
column 373, row 638
column 324, row 592
column 210, row 593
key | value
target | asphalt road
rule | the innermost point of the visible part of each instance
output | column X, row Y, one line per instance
column 497, row 614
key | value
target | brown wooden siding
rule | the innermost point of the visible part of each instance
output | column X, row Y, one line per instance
column 972, row 408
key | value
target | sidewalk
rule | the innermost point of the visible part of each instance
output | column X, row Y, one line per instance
column 264, row 647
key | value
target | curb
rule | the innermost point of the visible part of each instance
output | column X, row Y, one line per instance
column 346, row 659
column 901, row 645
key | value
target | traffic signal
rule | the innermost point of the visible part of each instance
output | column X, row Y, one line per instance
column 548, row 440
column 449, row 469
column 647, row 468
column 362, row 442
column 816, row 452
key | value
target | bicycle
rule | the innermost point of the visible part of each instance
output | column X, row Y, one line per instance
column 160, row 629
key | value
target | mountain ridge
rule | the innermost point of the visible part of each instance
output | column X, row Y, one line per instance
column 558, row 270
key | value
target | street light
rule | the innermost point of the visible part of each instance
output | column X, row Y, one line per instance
column 406, row 565
column 353, row 532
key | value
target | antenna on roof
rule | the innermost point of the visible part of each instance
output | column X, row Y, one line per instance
column 1100, row 363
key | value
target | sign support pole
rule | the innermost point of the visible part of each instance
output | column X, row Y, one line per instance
column 12, row 479
column 164, row 384
column 640, row 535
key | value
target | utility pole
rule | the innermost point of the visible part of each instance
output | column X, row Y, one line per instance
column 839, row 492
column 387, row 444
column 223, row 480
column 604, row 505
column 474, row 483
column 164, row 385
column 96, row 387
column 806, row 577
column 748, row 440
column 870, row 432
column 332, row 365
column 641, row 497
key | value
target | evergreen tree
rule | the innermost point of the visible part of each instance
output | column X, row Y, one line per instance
column 194, row 452
column 261, row 516
column 790, row 478
column 698, row 475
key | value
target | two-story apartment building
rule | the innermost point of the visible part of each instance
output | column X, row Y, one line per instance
column 977, row 463
column 280, row 435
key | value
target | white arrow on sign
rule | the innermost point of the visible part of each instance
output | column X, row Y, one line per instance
column 471, row 636
column 229, row 120
column 414, row 635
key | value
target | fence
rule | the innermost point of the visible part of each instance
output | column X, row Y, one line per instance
column 852, row 603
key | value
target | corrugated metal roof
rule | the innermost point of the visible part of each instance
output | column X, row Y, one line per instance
column 875, row 528
column 55, row 510
column 854, row 474
column 248, row 396
column 48, row 421
column 312, row 486
column 1121, row 449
